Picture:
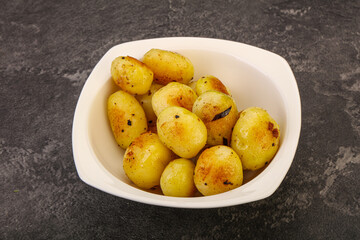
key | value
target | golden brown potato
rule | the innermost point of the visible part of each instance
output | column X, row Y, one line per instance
column 169, row 66
column 218, row 170
column 131, row 75
column 208, row 83
column 145, row 160
column 145, row 101
column 173, row 94
column 181, row 131
column 127, row 117
column 255, row 138
column 219, row 113
column 177, row 180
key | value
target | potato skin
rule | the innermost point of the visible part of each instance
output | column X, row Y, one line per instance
column 255, row 138
column 177, row 179
column 218, row 170
column 181, row 131
column 192, row 84
column 211, row 107
column 131, row 75
column 209, row 82
column 145, row 159
column 126, row 116
column 173, row 94
column 169, row 66
column 145, row 101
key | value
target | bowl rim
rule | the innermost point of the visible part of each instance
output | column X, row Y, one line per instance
column 86, row 160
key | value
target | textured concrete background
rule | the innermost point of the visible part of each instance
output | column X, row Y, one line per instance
column 48, row 49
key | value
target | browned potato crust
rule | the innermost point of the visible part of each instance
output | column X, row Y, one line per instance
column 173, row 94
column 181, row 131
column 131, row 75
column 218, row 170
column 255, row 138
column 127, row 117
column 169, row 66
column 145, row 159
column 219, row 113
column 210, row 82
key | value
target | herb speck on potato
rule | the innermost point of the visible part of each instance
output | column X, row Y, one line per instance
column 218, row 170
column 219, row 113
column 126, row 116
column 131, row 75
column 181, row 131
column 255, row 138
column 145, row 159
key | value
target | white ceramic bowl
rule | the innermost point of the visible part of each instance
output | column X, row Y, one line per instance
column 255, row 77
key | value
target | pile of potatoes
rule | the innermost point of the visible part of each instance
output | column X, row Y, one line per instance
column 182, row 135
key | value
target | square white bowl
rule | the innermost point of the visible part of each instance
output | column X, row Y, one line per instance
column 255, row 77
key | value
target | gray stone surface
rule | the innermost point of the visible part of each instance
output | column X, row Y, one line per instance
column 47, row 50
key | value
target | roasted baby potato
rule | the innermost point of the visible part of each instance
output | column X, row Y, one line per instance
column 219, row 113
column 145, row 160
column 173, row 94
column 169, row 66
column 177, row 180
column 131, row 75
column 218, row 170
column 181, row 131
column 145, row 101
column 210, row 82
column 255, row 138
column 127, row 117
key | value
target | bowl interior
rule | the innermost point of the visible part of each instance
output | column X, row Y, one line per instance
column 248, row 86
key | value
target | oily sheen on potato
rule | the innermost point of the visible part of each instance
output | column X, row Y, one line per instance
column 173, row 94
column 177, row 180
column 209, row 82
column 219, row 113
column 187, row 120
column 169, row 66
column 181, row 131
column 131, row 75
column 145, row 159
column 255, row 138
column 218, row 170
column 126, row 116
